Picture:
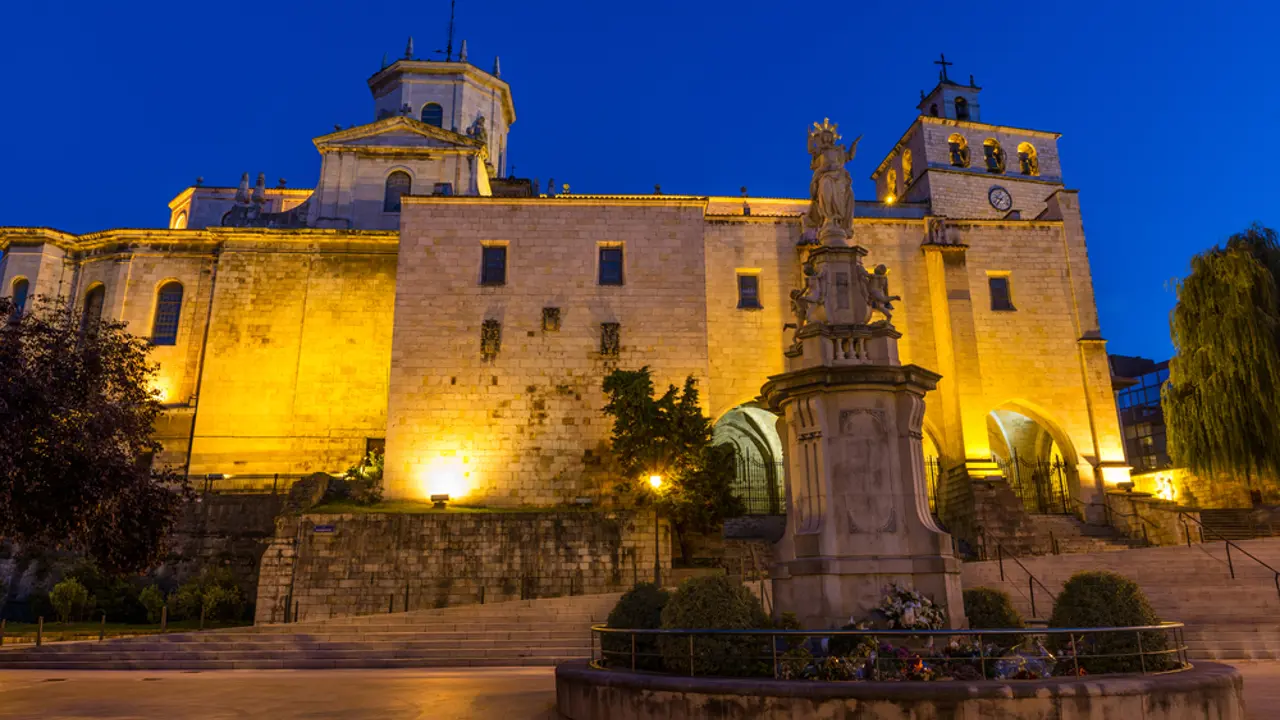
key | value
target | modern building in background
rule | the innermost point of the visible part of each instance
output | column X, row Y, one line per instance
column 1139, row 382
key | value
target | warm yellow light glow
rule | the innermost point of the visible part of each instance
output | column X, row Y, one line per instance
column 445, row 476
column 160, row 390
column 655, row 482
column 890, row 199
column 1115, row 474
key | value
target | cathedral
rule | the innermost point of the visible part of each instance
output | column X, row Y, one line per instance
column 422, row 302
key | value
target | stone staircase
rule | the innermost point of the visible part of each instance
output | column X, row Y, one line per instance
column 1225, row 618
column 1237, row 523
column 1073, row 536
column 525, row 632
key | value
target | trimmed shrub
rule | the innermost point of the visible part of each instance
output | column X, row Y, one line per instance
column 1106, row 599
column 988, row 608
column 152, row 600
column 69, row 599
column 115, row 595
column 715, row 602
column 640, row 608
column 215, row 592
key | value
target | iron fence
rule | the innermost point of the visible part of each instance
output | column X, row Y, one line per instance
column 759, row 485
column 261, row 484
column 867, row 655
column 1043, row 486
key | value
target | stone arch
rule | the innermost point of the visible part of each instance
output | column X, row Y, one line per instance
column 1028, row 159
column 958, row 147
column 759, row 477
column 1036, row 457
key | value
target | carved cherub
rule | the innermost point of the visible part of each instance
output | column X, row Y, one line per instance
column 813, row 292
column 878, row 297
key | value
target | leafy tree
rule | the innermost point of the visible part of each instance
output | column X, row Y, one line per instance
column 1222, row 402
column 69, row 599
column 76, row 418
column 670, row 436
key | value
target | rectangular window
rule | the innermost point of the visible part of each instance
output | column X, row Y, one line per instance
column 493, row 265
column 1001, row 299
column 610, row 266
column 748, row 292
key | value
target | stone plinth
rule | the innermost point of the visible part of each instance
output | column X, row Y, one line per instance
column 858, row 514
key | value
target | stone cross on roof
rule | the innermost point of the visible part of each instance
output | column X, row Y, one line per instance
column 943, row 62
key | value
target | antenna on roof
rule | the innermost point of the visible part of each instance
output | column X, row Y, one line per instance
column 448, row 49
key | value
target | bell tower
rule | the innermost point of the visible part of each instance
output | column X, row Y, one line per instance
column 965, row 167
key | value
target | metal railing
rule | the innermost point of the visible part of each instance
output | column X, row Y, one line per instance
column 1006, row 654
column 1275, row 574
column 759, row 485
column 1032, row 580
column 259, row 484
column 1108, row 512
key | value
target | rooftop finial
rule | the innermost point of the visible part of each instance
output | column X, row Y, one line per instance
column 260, row 189
column 462, row 54
column 942, row 75
column 242, row 192
column 408, row 49
column 497, row 67
column 384, row 61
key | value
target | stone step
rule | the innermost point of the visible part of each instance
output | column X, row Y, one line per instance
column 583, row 640
column 299, row 664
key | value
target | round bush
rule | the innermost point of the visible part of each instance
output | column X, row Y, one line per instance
column 69, row 599
column 988, row 608
column 1106, row 599
column 639, row 608
column 715, row 602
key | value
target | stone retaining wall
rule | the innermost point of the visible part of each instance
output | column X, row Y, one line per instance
column 1207, row 691
column 335, row 565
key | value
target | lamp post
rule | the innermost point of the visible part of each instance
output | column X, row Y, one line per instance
column 655, row 482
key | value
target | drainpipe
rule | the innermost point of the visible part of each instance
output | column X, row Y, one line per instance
column 204, row 346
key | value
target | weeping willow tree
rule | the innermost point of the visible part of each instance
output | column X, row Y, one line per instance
column 1222, row 402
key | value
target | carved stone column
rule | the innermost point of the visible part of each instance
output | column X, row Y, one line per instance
column 858, row 511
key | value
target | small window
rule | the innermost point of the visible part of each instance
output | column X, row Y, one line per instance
column 1001, row 298
column 432, row 114
column 21, row 287
column 375, row 446
column 93, row 301
column 749, row 292
column 180, row 222
column 610, row 266
column 164, row 329
column 933, row 110
column 959, row 148
column 493, row 265
column 442, row 189
column 399, row 184
column 994, row 154
column 962, row 109
column 1028, row 161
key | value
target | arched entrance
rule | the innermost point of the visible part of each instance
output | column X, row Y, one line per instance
column 1036, row 459
column 757, row 452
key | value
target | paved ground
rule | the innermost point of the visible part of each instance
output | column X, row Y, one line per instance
column 501, row 693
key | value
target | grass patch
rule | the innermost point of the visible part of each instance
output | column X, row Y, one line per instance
column 419, row 507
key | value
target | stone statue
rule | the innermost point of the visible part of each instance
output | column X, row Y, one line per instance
column 478, row 131
column 937, row 232
column 813, row 293
column 877, row 287
column 831, row 190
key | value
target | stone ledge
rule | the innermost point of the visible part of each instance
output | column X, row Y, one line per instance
column 1207, row 690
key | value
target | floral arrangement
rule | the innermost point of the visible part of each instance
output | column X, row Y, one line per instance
column 906, row 609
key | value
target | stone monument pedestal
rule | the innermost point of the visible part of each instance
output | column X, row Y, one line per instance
column 858, row 513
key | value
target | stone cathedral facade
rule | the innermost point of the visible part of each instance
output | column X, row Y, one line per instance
column 420, row 298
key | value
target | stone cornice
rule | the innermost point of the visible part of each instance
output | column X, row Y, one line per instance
column 779, row 388
column 978, row 172
column 187, row 194
column 127, row 239
column 971, row 125
column 562, row 200
column 393, row 124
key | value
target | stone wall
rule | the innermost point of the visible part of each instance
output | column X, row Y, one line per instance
column 369, row 563
column 230, row 531
column 1206, row 491
column 1159, row 522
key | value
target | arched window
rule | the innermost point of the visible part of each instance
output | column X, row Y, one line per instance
column 962, row 109
column 20, row 289
column 890, row 186
column 1028, row 161
column 164, row 329
column 180, row 222
column 92, row 312
column 433, row 114
column 933, row 110
column 398, row 183
column 906, row 167
column 994, row 154
column 959, row 150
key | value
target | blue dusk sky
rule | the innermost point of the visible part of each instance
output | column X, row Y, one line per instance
column 1167, row 109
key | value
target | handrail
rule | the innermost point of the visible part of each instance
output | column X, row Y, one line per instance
column 1107, row 509
column 1032, row 580
column 1230, row 565
column 944, row 632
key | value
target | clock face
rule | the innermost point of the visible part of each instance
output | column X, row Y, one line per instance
column 999, row 198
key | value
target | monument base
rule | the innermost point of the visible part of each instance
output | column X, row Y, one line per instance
column 830, row 592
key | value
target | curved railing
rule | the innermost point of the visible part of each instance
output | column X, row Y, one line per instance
column 1006, row 654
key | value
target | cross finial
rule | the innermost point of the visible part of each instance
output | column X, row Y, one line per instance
column 943, row 62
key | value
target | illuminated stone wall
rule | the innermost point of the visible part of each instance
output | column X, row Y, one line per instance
column 365, row 563
column 526, row 427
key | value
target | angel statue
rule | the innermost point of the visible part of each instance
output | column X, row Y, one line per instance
column 878, row 297
column 830, row 214
column 813, row 293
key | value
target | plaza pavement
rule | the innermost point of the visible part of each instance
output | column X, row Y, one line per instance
column 501, row 693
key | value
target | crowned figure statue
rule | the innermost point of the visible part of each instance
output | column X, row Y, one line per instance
column 830, row 217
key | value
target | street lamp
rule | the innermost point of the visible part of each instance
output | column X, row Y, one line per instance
column 655, row 482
